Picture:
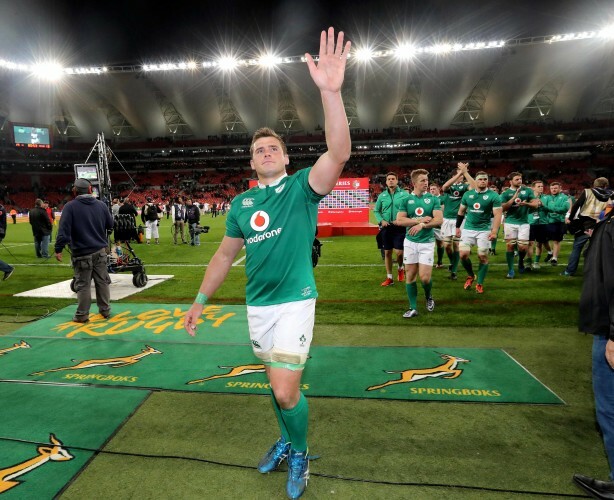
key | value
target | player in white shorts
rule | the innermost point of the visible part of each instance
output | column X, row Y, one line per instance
column 478, row 205
column 276, row 222
column 435, row 190
column 421, row 214
column 453, row 191
column 516, row 202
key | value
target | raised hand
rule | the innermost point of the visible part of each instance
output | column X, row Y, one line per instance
column 329, row 71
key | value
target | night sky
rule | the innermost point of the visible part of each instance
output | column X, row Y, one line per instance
column 132, row 31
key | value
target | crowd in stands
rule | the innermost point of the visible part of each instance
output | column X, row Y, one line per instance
column 211, row 175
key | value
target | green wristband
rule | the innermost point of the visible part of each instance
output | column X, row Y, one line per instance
column 201, row 298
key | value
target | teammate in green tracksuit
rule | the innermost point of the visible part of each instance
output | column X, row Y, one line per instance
column 557, row 205
column 387, row 206
column 538, row 221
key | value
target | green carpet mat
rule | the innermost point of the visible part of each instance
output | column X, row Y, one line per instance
column 224, row 324
column 84, row 417
column 409, row 373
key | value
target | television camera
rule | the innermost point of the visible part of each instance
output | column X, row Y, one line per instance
column 120, row 255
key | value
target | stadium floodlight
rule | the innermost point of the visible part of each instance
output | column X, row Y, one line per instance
column 269, row 60
column 364, row 54
column 50, row 71
column 607, row 32
column 441, row 48
column 227, row 63
column 405, row 51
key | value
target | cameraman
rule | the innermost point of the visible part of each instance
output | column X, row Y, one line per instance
column 84, row 226
column 192, row 217
column 150, row 214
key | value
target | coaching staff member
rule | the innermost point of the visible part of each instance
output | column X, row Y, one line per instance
column 84, row 226
column 387, row 206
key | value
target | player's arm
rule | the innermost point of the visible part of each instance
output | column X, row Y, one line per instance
column 460, row 217
column 534, row 203
column 436, row 221
column 507, row 205
column 377, row 211
column 452, row 180
column 214, row 277
column 464, row 169
column 494, row 230
column 328, row 76
column 404, row 221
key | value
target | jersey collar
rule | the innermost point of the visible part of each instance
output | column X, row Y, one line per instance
column 274, row 183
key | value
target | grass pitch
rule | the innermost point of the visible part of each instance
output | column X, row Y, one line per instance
column 369, row 449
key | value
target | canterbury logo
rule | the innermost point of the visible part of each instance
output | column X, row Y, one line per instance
column 55, row 453
column 446, row 370
column 21, row 345
column 118, row 362
column 235, row 371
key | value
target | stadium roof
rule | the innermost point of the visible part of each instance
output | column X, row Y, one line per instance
column 531, row 77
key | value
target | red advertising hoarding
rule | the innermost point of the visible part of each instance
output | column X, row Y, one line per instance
column 348, row 202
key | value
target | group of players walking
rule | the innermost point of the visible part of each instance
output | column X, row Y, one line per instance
column 465, row 213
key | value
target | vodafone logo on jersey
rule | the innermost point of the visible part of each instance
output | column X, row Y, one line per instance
column 476, row 206
column 419, row 211
column 259, row 221
column 517, row 201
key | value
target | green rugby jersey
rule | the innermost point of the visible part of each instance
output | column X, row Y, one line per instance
column 517, row 214
column 480, row 207
column 278, row 225
column 452, row 200
column 538, row 215
column 421, row 206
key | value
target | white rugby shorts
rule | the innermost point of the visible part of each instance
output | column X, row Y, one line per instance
column 282, row 333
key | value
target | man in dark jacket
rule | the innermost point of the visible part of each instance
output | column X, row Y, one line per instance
column 128, row 208
column 41, row 229
column 84, row 226
column 4, row 267
column 597, row 318
column 192, row 218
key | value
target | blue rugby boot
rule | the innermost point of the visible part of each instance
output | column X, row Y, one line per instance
column 298, row 473
column 275, row 456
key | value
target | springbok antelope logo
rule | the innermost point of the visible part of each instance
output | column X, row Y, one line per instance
column 55, row 453
column 18, row 345
column 446, row 370
column 235, row 371
column 118, row 362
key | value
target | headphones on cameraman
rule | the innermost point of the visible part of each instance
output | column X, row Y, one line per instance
column 81, row 181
